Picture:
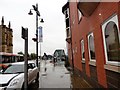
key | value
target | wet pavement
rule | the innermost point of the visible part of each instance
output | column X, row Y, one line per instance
column 57, row 76
column 78, row 82
column 52, row 76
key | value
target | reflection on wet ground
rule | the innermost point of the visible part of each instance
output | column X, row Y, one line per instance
column 57, row 77
column 78, row 82
column 54, row 76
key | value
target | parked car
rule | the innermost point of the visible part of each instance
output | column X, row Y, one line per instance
column 13, row 75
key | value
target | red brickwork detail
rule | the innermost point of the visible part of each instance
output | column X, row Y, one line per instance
column 93, row 24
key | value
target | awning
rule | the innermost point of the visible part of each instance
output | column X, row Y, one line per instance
column 87, row 8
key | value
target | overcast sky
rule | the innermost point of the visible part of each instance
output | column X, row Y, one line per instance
column 16, row 11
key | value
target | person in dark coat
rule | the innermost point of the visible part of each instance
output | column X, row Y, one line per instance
column 45, row 56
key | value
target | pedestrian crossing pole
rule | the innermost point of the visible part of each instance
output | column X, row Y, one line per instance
column 25, row 37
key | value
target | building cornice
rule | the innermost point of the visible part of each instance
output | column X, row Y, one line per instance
column 65, row 7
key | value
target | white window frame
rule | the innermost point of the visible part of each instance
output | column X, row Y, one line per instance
column 83, row 48
column 66, row 12
column 91, row 34
column 68, row 32
column 115, row 20
column 79, row 15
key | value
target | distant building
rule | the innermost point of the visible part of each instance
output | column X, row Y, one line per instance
column 6, row 38
column 93, row 41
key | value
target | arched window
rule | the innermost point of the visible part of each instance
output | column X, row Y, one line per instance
column 112, row 42
column 91, row 47
column 111, row 38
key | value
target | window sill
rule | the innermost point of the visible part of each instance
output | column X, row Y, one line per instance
column 83, row 61
column 112, row 68
column 93, row 63
column 113, row 63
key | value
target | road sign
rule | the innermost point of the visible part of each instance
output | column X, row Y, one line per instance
column 40, row 34
column 24, row 33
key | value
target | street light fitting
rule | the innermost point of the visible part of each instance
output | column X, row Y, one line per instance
column 30, row 12
column 37, row 12
column 34, row 7
column 34, row 39
column 41, row 20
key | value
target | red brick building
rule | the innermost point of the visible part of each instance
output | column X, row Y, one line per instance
column 93, row 41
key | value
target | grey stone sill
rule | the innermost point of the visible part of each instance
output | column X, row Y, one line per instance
column 93, row 63
column 112, row 68
column 83, row 61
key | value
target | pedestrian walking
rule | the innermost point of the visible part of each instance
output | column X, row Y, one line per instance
column 54, row 61
column 45, row 69
column 45, row 56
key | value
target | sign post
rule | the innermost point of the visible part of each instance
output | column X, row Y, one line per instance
column 25, row 37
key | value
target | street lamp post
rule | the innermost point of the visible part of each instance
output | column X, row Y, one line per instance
column 37, row 34
column 35, row 8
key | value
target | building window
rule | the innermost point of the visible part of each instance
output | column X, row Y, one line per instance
column 112, row 42
column 79, row 15
column 111, row 38
column 68, row 32
column 67, row 22
column 67, row 13
column 91, row 47
column 82, row 50
column 67, row 17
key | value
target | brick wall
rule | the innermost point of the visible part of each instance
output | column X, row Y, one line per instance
column 81, row 30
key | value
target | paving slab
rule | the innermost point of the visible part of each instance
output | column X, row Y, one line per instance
column 54, row 76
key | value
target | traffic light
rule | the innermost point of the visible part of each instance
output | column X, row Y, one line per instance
column 24, row 33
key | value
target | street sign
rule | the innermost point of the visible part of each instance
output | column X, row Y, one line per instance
column 40, row 34
column 24, row 33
